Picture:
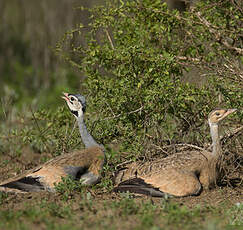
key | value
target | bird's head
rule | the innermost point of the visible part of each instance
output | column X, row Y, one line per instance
column 76, row 103
column 218, row 115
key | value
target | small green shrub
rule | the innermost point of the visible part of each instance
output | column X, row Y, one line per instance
column 3, row 196
column 68, row 187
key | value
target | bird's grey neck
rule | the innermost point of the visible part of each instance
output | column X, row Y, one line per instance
column 87, row 139
column 215, row 139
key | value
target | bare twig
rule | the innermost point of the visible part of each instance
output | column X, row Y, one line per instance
column 39, row 129
column 160, row 148
column 36, row 122
column 119, row 115
column 183, row 58
column 191, row 146
column 228, row 136
column 74, row 126
column 233, row 71
column 217, row 35
column 110, row 109
column 184, row 144
column 124, row 163
column 109, row 38
column 232, row 134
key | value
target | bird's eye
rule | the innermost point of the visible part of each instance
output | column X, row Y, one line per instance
column 72, row 99
column 217, row 113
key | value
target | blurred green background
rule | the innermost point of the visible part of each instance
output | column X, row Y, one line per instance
column 30, row 72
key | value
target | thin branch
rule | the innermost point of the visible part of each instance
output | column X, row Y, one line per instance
column 124, row 163
column 110, row 109
column 74, row 126
column 119, row 115
column 183, row 58
column 217, row 35
column 158, row 147
column 233, row 71
column 228, row 136
column 39, row 129
column 232, row 134
column 192, row 146
column 36, row 122
column 109, row 38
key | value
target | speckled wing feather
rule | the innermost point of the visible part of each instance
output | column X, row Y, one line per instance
column 173, row 175
column 191, row 159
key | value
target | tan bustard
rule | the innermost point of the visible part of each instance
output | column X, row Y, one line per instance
column 181, row 174
column 84, row 165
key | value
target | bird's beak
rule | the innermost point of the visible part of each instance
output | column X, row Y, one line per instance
column 229, row 111
column 65, row 97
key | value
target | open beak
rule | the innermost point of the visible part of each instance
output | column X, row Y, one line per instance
column 65, row 96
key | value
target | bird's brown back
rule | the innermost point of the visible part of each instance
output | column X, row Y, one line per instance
column 188, row 160
column 91, row 158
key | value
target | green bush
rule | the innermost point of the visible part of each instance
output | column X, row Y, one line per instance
column 136, row 59
column 52, row 132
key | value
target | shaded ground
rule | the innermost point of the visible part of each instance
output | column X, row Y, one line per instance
column 93, row 210
column 214, row 197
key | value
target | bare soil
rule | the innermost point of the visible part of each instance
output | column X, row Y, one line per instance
column 102, row 212
column 29, row 160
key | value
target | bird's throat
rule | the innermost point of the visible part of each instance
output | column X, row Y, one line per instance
column 214, row 130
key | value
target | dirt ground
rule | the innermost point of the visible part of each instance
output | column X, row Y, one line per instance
column 29, row 160
column 213, row 197
column 105, row 209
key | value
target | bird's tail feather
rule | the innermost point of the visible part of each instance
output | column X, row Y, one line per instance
column 137, row 185
column 27, row 184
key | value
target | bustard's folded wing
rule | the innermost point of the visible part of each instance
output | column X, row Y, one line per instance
column 42, row 178
column 138, row 185
column 85, row 165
